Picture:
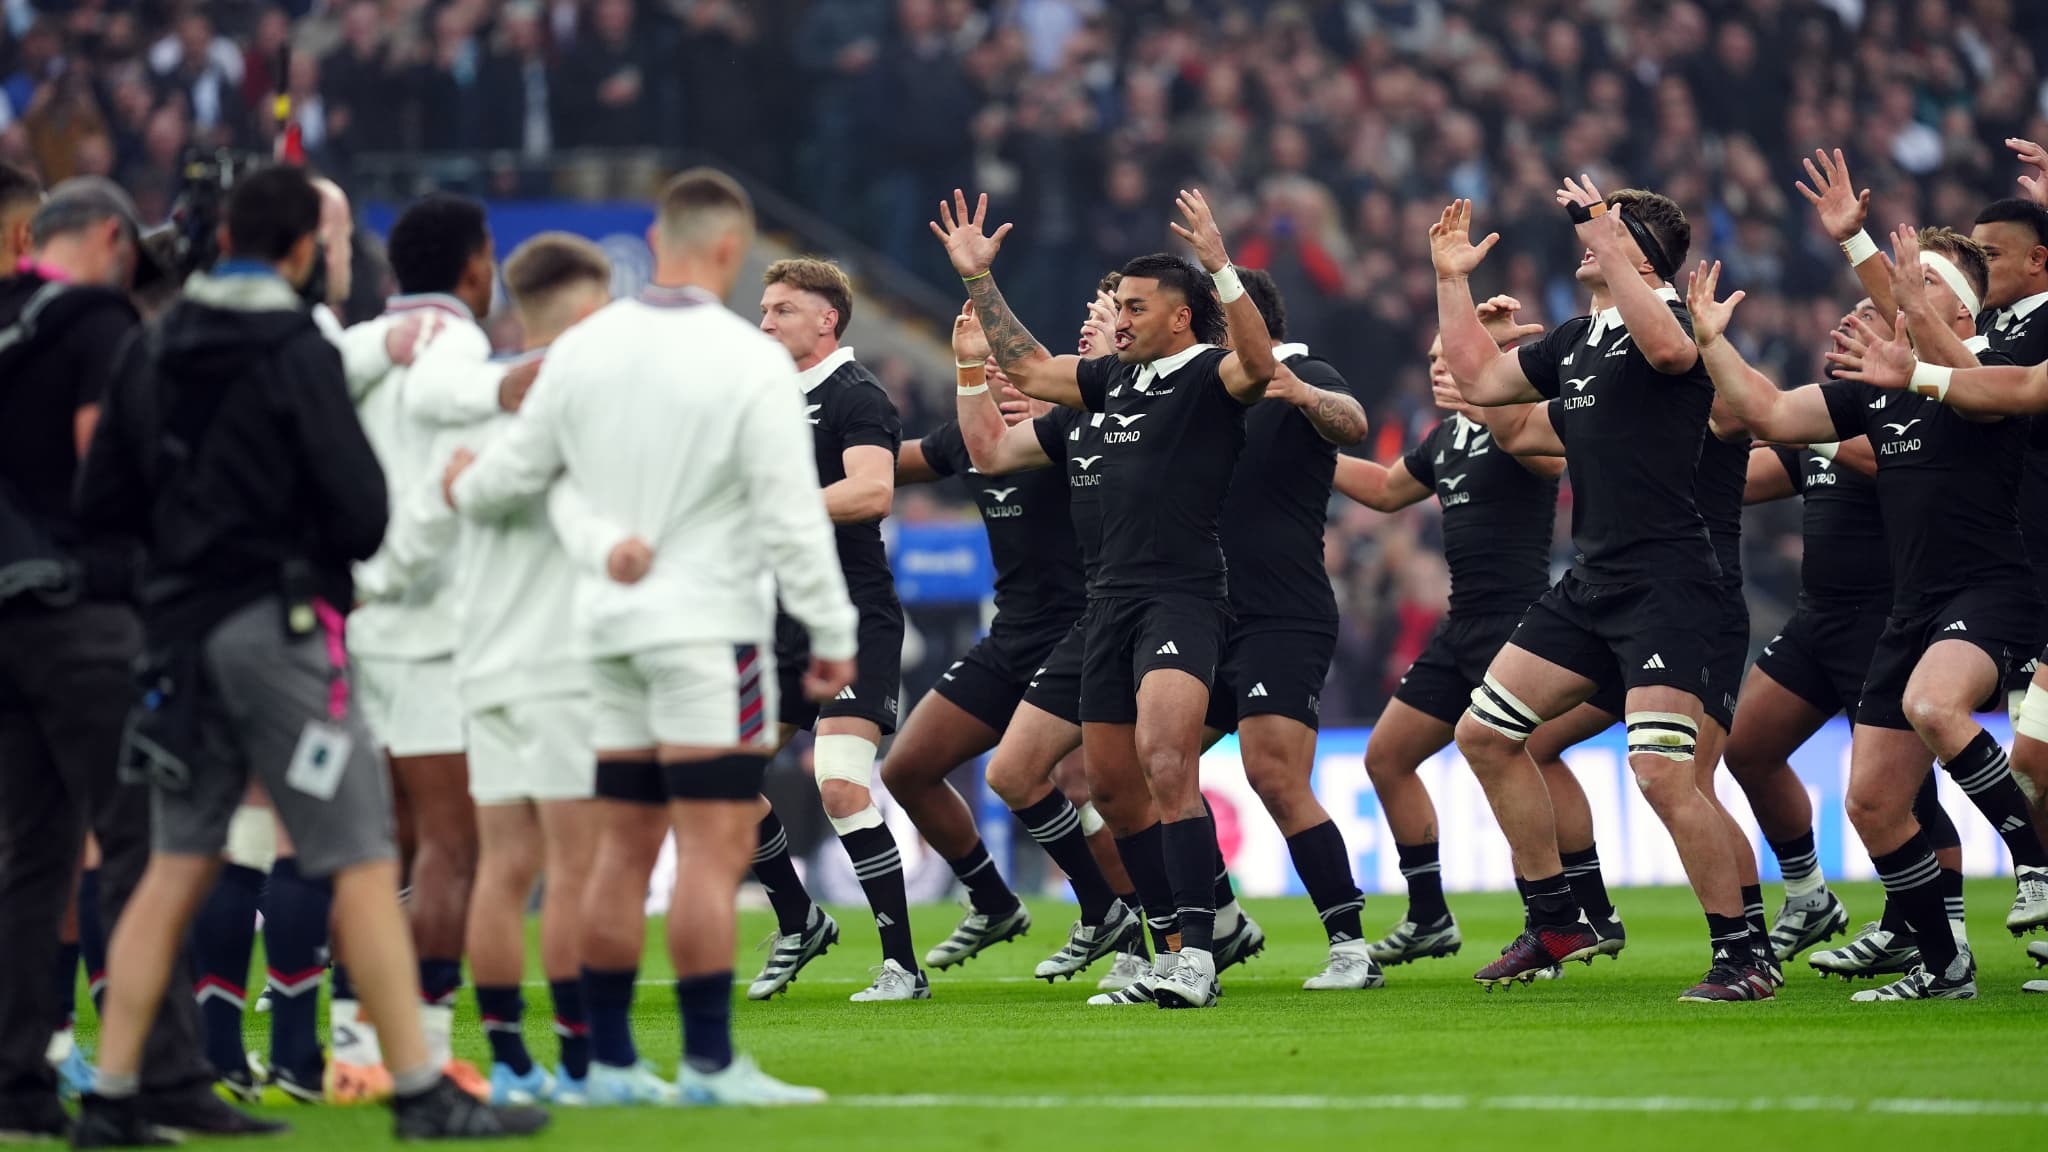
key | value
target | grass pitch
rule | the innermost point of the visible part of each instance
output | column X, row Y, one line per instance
column 1604, row 1058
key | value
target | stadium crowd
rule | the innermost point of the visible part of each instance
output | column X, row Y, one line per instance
column 1080, row 115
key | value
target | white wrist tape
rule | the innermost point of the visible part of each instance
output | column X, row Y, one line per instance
column 1931, row 380
column 1228, row 286
column 977, row 390
column 1859, row 248
column 1825, row 451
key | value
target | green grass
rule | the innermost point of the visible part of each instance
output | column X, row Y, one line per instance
column 1582, row 1060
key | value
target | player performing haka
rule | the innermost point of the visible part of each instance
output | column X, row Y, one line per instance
column 1641, row 603
column 1497, row 514
column 1158, row 608
column 806, row 305
column 1963, row 609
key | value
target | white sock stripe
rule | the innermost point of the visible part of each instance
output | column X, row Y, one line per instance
column 1922, row 871
column 1422, row 869
column 1986, row 777
column 1056, row 828
column 1799, row 865
column 216, row 992
column 1341, row 909
column 878, row 864
column 772, row 848
column 986, row 862
column 1592, row 869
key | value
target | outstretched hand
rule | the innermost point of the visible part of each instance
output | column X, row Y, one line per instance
column 1842, row 209
column 1201, row 232
column 970, row 343
column 1450, row 242
column 1709, row 316
column 2034, row 156
column 1865, row 355
column 1602, row 231
column 1497, row 316
column 971, row 251
column 1909, row 279
column 1098, row 332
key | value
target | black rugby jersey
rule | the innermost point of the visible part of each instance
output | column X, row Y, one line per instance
column 1497, row 518
column 847, row 408
column 1948, row 489
column 1279, row 500
column 1632, row 439
column 1717, row 490
column 1844, row 565
column 1170, row 442
column 2019, row 332
column 1072, row 440
column 1039, row 585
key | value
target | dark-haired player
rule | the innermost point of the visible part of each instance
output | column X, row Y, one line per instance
column 1283, row 628
column 805, row 305
column 1498, row 509
column 1158, row 609
column 20, row 195
column 1963, row 606
column 1641, row 604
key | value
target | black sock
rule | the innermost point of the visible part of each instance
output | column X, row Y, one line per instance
column 1797, row 857
column 440, row 980
column 1753, row 909
column 1550, row 901
column 986, row 889
column 339, row 986
column 1985, row 775
column 503, row 1011
column 1144, row 857
column 879, row 866
column 1324, row 865
column 610, row 996
column 1055, row 824
column 1225, row 893
column 296, row 910
column 223, row 938
column 1190, row 847
column 1425, row 876
column 572, row 1027
column 1729, row 936
column 1912, row 880
column 92, row 936
column 1589, row 888
column 1952, row 893
column 1893, row 918
column 64, row 983
column 1934, row 819
column 706, row 1006
column 777, row 873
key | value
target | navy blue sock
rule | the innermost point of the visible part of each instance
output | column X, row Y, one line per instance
column 296, row 908
column 92, row 935
column 439, row 981
column 610, row 997
column 64, row 983
column 339, row 987
column 504, row 1013
column 572, row 1026
column 706, row 1004
column 223, row 937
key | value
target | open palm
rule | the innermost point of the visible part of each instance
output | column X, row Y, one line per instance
column 1709, row 316
column 971, row 250
column 1450, row 242
column 1834, row 196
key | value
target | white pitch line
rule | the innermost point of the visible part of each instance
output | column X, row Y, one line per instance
column 1431, row 1103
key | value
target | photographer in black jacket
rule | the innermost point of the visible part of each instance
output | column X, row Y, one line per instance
column 67, row 642
column 231, row 449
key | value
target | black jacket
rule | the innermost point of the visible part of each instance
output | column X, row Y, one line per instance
column 228, row 445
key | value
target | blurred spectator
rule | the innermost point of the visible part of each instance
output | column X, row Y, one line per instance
column 356, row 84
column 606, row 94
column 206, row 69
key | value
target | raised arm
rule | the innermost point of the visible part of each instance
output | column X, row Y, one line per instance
column 1486, row 375
column 1842, row 210
column 1030, row 367
column 1380, row 487
column 1656, row 333
column 1768, row 479
column 1250, row 365
column 1796, row 417
column 1855, row 454
column 1336, row 416
column 1934, row 336
column 1523, row 430
column 1863, row 354
column 996, row 447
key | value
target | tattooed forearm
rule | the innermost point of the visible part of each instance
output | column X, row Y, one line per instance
column 1008, row 340
column 1340, row 419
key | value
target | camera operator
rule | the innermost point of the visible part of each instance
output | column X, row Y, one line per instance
column 231, row 449
column 67, row 641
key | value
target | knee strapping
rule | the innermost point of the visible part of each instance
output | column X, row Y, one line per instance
column 252, row 838
column 868, row 817
column 1672, row 735
column 847, row 759
column 2032, row 718
column 1498, row 709
column 1091, row 820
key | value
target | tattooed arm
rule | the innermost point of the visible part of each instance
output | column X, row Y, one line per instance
column 1035, row 372
column 1338, row 418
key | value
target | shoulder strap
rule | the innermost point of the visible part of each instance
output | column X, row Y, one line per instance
column 24, row 327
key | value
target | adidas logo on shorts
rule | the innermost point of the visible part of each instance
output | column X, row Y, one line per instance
column 845, row 693
column 1168, row 649
column 1655, row 662
column 1958, row 626
column 1257, row 691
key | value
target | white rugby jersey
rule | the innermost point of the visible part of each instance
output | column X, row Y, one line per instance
column 683, row 425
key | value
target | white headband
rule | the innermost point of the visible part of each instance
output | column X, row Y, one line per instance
column 1953, row 277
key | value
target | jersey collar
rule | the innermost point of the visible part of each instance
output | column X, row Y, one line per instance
column 2019, row 309
column 1166, row 366
column 1978, row 344
column 816, row 374
column 1609, row 319
column 1289, row 351
column 676, row 296
column 440, row 301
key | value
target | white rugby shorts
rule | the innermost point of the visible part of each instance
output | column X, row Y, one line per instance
column 411, row 705
column 697, row 695
column 536, row 749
